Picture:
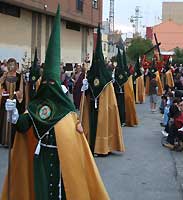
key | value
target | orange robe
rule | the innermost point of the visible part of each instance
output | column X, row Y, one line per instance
column 140, row 90
column 109, row 136
column 80, row 174
column 131, row 115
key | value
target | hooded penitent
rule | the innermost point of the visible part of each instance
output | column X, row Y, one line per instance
column 101, row 118
column 120, row 78
column 137, row 73
column 50, row 101
column 131, row 116
column 168, row 74
column 139, row 89
column 34, row 76
column 50, row 146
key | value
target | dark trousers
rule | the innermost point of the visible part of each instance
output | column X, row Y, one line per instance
column 173, row 134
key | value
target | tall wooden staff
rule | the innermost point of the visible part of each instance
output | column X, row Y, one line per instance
column 11, row 88
column 26, row 72
column 27, row 97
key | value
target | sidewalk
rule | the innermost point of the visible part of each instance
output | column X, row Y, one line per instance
column 178, row 159
column 176, row 156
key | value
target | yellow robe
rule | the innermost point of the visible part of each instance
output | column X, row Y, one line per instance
column 131, row 116
column 80, row 174
column 109, row 135
column 160, row 87
column 169, row 78
column 140, row 90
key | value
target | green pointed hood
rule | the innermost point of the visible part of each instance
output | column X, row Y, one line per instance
column 125, row 63
column 50, row 103
column 34, row 76
column 34, row 70
column 98, row 75
column 52, row 61
column 137, row 71
column 120, row 76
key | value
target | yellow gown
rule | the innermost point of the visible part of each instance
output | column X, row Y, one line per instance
column 80, row 174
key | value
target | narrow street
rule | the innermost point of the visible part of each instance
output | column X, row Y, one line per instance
column 146, row 171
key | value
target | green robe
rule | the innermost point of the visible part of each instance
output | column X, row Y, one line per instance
column 46, row 164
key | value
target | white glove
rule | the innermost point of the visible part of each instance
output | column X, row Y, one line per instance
column 27, row 76
column 180, row 129
column 65, row 90
column 85, row 85
column 13, row 116
column 10, row 105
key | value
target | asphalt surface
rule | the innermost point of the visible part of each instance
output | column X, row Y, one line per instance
column 146, row 171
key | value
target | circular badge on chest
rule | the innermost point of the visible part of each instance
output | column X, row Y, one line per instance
column 96, row 82
column 45, row 112
column 33, row 78
column 120, row 76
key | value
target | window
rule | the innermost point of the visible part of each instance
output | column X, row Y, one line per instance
column 95, row 3
column 9, row 9
column 79, row 5
column 73, row 26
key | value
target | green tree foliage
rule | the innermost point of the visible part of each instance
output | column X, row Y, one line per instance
column 178, row 57
column 138, row 47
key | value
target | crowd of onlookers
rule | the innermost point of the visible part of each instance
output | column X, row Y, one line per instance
column 71, row 82
column 171, row 108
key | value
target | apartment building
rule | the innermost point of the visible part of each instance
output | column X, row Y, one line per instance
column 26, row 24
column 172, row 11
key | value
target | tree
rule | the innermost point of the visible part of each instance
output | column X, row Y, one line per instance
column 138, row 47
column 178, row 57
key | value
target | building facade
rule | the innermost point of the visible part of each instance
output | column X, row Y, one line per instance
column 172, row 11
column 27, row 24
column 169, row 34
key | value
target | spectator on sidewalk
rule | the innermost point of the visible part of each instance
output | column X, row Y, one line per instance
column 175, row 123
column 78, row 82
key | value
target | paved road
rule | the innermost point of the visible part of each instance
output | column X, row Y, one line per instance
column 146, row 171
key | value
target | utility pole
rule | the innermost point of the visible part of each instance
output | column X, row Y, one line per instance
column 111, row 17
column 135, row 20
column 111, row 29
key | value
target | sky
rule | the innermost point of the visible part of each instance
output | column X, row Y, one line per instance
column 150, row 10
